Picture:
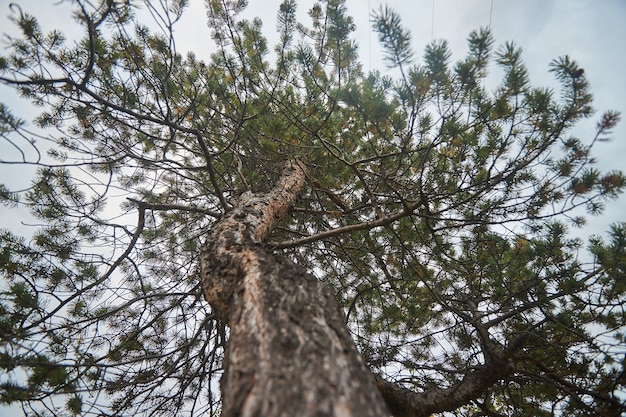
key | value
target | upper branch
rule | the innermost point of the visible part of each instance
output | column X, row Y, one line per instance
column 345, row 229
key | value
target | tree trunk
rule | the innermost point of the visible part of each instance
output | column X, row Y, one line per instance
column 289, row 351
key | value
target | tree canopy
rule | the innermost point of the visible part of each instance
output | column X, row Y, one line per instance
column 437, row 211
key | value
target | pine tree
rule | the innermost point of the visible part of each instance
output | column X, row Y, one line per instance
column 321, row 240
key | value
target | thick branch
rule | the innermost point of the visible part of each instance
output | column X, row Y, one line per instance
column 406, row 403
column 345, row 229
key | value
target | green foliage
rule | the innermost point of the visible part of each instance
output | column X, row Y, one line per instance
column 8, row 122
column 42, row 375
column 437, row 211
column 74, row 405
column 395, row 39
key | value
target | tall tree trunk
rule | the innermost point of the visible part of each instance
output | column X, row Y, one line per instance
column 289, row 351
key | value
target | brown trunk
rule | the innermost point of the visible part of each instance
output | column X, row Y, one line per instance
column 289, row 351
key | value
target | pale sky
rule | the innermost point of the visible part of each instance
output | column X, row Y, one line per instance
column 592, row 32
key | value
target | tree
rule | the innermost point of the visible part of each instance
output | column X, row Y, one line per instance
column 421, row 219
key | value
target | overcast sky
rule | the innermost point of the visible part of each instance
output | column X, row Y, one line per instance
column 592, row 32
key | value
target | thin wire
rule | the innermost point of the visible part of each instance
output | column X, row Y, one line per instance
column 490, row 13
column 432, row 23
column 369, row 23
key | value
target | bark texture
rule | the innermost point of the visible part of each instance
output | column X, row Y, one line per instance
column 289, row 351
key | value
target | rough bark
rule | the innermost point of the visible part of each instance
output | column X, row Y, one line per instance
column 289, row 351
column 406, row 403
column 499, row 365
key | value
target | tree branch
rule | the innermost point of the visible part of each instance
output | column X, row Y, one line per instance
column 404, row 402
column 165, row 207
column 345, row 229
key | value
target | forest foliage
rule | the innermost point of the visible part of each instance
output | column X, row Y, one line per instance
column 438, row 210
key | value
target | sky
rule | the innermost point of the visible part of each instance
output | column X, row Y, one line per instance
column 592, row 32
